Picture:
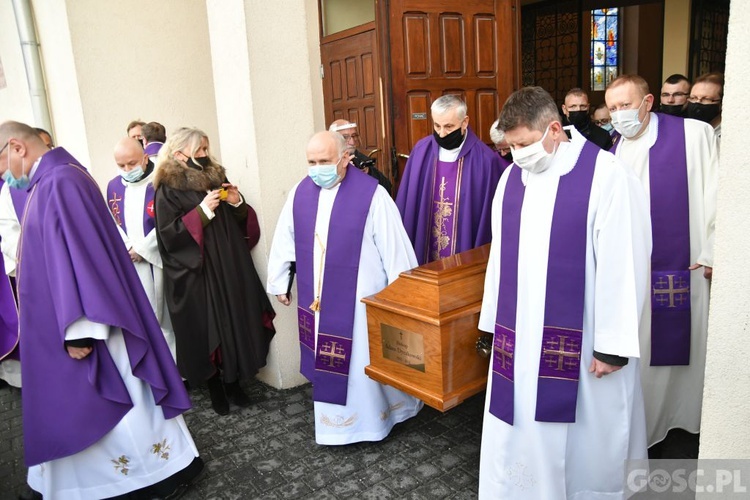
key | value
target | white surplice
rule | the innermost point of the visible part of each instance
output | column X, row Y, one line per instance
column 141, row 450
column 674, row 394
column 583, row 460
column 372, row 408
column 150, row 268
column 10, row 231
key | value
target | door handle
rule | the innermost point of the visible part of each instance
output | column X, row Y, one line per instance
column 402, row 155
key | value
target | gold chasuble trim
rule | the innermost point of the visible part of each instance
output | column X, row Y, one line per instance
column 445, row 210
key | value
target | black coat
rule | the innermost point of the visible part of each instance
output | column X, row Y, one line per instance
column 214, row 295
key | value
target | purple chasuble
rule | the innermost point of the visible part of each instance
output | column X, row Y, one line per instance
column 445, row 199
column 18, row 196
column 559, row 365
column 116, row 202
column 481, row 171
column 152, row 148
column 73, row 265
column 328, row 368
column 670, row 258
column 8, row 315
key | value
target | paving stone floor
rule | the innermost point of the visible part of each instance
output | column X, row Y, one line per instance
column 268, row 451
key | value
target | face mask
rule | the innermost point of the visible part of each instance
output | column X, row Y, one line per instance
column 132, row 176
column 703, row 112
column 672, row 109
column 508, row 156
column 607, row 126
column 11, row 181
column 579, row 119
column 626, row 121
column 450, row 141
column 533, row 158
column 198, row 163
column 324, row 176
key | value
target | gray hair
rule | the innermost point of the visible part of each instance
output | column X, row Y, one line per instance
column 496, row 135
column 530, row 107
column 445, row 103
column 340, row 143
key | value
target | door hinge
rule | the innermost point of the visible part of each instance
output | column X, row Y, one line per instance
column 322, row 72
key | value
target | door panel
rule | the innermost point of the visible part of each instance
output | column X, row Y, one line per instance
column 350, row 82
column 438, row 47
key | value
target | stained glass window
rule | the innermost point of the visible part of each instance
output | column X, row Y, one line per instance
column 604, row 47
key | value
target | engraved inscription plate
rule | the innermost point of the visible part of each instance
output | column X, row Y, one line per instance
column 419, row 116
column 406, row 348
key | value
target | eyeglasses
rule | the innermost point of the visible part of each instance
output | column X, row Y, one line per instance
column 675, row 95
column 3, row 149
column 703, row 100
column 601, row 122
column 502, row 151
column 350, row 136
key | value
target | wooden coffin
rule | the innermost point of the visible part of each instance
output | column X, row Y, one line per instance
column 423, row 330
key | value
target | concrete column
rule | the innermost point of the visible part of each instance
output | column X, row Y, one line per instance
column 726, row 396
column 268, row 105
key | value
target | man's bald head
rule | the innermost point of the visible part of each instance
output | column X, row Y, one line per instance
column 328, row 148
column 22, row 147
column 17, row 130
column 129, row 154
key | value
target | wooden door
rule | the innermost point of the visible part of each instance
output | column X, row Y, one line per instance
column 351, row 82
column 437, row 47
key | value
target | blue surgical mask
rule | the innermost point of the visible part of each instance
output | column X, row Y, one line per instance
column 132, row 176
column 324, row 176
column 607, row 126
column 11, row 181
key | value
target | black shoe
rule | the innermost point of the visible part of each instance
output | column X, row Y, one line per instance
column 236, row 395
column 30, row 494
column 177, row 485
column 218, row 398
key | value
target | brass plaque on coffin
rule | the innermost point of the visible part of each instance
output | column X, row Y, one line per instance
column 403, row 347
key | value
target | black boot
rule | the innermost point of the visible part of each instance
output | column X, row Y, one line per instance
column 236, row 395
column 218, row 398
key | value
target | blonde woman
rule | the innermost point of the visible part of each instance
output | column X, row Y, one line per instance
column 221, row 315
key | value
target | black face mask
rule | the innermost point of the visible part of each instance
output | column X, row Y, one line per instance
column 579, row 119
column 507, row 157
column 450, row 141
column 672, row 109
column 703, row 112
column 199, row 163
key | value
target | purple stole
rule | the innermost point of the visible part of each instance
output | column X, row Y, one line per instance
column 18, row 197
column 328, row 368
column 152, row 148
column 670, row 258
column 8, row 312
column 116, row 203
column 445, row 203
column 562, row 336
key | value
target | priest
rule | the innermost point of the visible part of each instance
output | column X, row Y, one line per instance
column 130, row 197
column 565, row 284
column 445, row 196
column 677, row 163
column 102, row 398
column 343, row 232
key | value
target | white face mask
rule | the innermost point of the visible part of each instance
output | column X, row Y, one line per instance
column 533, row 158
column 626, row 121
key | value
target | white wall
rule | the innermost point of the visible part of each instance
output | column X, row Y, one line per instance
column 676, row 37
column 15, row 102
column 268, row 104
column 119, row 61
column 726, row 397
